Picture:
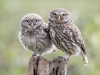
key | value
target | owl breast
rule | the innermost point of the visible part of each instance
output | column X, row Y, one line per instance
column 39, row 43
column 29, row 42
column 61, row 37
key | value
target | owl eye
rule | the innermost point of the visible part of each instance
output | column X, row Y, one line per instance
column 37, row 20
column 64, row 14
column 54, row 14
column 27, row 21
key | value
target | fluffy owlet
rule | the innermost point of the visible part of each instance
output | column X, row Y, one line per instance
column 34, row 35
column 65, row 34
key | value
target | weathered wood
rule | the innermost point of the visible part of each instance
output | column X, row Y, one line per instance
column 38, row 66
column 41, row 66
column 58, row 66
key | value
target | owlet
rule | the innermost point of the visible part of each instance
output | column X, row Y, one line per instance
column 34, row 35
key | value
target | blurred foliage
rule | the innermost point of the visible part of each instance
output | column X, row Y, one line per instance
column 86, row 15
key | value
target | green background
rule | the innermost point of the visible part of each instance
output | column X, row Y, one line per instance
column 14, row 58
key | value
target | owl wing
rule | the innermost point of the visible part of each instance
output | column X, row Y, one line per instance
column 74, row 35
column 46, row 30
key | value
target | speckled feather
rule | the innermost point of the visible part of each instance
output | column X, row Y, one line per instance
column 66, row 35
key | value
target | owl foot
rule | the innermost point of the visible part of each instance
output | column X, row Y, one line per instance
column 34, row 54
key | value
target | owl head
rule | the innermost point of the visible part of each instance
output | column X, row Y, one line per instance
column 31, row 21
column 60, row 15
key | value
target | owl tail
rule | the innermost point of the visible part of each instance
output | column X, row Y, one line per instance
column 85, row 60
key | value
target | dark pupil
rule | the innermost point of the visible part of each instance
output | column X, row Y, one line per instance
column 54, row 13
column 26, row 20
column 36, row 20
column 64, row 14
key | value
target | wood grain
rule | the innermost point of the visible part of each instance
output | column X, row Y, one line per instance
column 38, row 65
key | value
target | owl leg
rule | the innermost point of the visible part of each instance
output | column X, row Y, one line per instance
column 85, row 59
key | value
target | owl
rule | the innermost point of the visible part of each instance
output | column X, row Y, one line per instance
column 34, row 35
column 65, row 34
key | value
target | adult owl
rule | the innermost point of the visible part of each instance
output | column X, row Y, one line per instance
column 34, row 35
column 65, row 34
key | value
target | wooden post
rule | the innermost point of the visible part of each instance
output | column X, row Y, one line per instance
column 38, row 65
column 58, row 66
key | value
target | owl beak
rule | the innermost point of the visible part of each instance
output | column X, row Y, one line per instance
column 58, row 18
column 32, row 24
